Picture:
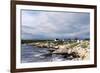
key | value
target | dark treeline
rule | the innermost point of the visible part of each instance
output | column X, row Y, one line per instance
column 31, row 41
column 58, row 40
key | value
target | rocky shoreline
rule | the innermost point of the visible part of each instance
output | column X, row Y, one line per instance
column 76, row 51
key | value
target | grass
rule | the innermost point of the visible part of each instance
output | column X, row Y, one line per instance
column 73, row 45
column 84, row 45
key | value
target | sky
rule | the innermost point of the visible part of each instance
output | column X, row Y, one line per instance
column 51, row 24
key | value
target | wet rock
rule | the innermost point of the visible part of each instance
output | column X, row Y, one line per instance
column 61, row 50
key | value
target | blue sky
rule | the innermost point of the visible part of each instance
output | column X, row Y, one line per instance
column 51, row 25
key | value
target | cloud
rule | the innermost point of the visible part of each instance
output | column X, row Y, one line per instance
column 50, row 25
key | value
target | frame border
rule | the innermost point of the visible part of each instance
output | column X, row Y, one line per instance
column 13, row 35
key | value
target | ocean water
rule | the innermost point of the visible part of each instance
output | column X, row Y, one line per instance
column 31, row 53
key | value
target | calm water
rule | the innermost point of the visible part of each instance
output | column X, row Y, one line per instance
column 31, row 53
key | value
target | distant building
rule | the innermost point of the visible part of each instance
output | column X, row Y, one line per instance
column 56, row 39
column 78, row 41
column 63, row 40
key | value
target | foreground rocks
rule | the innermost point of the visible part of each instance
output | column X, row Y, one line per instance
column 76, row 51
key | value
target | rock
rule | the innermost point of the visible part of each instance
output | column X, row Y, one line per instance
column 62, row 49
column 55, row 47
column 62, row 46
column 82, row 52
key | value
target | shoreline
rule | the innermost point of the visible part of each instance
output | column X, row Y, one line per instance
column 73, row 49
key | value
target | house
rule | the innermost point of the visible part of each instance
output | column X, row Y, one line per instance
column 56, row 40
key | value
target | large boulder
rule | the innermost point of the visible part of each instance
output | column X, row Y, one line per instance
column 62, row 49
column 82, row 52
